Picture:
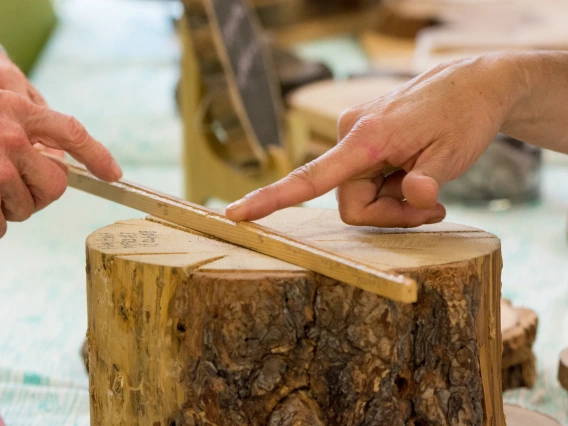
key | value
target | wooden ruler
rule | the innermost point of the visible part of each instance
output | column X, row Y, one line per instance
column 246, row 234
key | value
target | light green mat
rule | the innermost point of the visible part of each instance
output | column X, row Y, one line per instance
column 113, row 63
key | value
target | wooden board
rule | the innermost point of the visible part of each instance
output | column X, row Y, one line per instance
column 388, row 53
column 474, row 29
column 321, row 104
column 190, row 329
column 346, row 23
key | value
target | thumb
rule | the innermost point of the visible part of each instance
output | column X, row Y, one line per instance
column 421, row 186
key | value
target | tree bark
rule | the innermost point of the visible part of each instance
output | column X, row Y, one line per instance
column 518, row 327
column 188, row 330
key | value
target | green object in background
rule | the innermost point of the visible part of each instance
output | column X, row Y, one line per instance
column 25, row 26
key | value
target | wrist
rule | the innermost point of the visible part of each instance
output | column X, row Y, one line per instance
column 539, row 77
column 511, row 82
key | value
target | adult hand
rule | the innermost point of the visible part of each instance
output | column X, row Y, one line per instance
column 14, row 80
column 28, row 180
column 433, row 128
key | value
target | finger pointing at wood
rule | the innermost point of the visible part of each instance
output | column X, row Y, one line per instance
column 433, row 128
column 305, row 183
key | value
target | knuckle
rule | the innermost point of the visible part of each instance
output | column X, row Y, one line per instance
column 76, row 131
column 11, row 100
column 306, row 175
column 8, row 173
column 346, row 121
column 52, row 190
column 270, row 194
column 13, row 138
column 58, row 186
column 363, row 129
column 23, row 213
column 349, row 216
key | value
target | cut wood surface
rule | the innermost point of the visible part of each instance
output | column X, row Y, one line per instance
column 509, row 317
column 322, row 103
column 388, row 53
column 519, row 416
column 519, row 328
column 563, row 369
column 474, row 29
column 349, row 22
column 282, row 245
column 186, row 329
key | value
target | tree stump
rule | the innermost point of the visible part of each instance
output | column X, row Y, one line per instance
column 189, row 330
column 518, row 328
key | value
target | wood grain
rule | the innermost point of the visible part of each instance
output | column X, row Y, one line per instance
column 249, row 235
column 322, row 103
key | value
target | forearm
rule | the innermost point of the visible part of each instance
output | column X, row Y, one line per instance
column 540, row 114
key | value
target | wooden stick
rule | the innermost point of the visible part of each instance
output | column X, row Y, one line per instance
column 246, row 234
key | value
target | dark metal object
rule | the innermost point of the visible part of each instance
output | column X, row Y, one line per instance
column 294, row 72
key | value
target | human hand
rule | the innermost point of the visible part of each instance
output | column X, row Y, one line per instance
column 14, row 80
column 433, row 128
column 28, row 180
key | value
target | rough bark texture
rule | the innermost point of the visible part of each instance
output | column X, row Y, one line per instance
column 519, row 361
column 357, row 357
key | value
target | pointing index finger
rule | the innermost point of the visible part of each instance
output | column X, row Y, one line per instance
column 336, row 166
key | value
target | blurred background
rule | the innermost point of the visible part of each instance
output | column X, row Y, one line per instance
column 157, row 82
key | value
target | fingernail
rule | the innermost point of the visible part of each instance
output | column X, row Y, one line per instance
column 435, row 220
column 233, row 208
column 115, row 169
column 237, row 204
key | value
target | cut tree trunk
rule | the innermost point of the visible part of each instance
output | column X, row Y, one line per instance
column 518, row 327
column 189, row 330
